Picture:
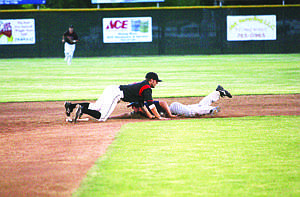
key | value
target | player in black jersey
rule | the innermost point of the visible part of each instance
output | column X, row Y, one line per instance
column 70, row 38
column 138, row 92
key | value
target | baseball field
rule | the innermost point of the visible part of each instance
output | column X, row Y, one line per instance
column 251, row 148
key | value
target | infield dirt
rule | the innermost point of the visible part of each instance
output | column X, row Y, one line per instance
column 42, row 155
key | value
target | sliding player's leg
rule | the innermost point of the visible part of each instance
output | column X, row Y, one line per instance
column 209, row 99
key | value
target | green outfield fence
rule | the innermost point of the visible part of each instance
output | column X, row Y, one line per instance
column 176, row 31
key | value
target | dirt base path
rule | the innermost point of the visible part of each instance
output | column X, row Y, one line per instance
column 42, row 155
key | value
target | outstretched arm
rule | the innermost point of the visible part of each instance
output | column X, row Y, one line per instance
column 148, row 98
column 155, row 112
column 148, row 114
column 165, row 106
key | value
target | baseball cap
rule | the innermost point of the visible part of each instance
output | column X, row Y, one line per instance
column 71, row 26
column 152, row 75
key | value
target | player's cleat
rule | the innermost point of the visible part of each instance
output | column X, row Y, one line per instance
column 69, row 108
column 78, row 113
column 223, row 92
column 214, row 111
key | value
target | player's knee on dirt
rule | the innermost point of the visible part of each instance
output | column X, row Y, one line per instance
column 93, row 113
column 85, row 105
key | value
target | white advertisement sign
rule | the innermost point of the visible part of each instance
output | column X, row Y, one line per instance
column 124, row 1
column 129, row 29
column 17, row 31
column 259, row 27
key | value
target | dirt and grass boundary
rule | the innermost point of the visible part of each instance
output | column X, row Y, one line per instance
column 42, row 155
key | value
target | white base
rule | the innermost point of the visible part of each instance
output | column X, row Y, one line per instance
column 79, row 120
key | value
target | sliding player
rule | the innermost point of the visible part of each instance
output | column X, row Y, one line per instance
column 202, row 108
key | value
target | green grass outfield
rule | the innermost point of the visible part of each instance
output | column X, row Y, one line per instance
column 52, row 79
column 250, row 156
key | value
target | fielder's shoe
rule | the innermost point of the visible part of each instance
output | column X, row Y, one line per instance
column 69, row 108
column 78, row 113
column 223, row 92
column 214, row 111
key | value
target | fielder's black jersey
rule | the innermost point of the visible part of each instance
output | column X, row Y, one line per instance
column 69, row 37
column 138, row 92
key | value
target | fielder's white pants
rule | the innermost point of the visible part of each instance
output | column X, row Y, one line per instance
column 202, row 108
column 69, row 52
column 107, row 101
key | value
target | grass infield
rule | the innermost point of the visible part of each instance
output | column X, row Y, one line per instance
column 47, row 79
column 250, row 156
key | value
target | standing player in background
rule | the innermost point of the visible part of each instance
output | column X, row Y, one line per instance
column 70, row 39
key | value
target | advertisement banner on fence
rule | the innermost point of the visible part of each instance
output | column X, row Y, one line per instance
column 17, row 31
column 16, row 2
column 124, row 1
column 129, row 29
column 245, row 28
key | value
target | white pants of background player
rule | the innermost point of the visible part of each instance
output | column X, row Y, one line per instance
column 107, row 101
column 69, row 52
column 202, row 108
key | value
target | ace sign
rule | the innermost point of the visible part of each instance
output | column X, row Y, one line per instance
column 126, row 30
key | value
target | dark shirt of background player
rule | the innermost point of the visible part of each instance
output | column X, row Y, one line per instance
column 70, row 35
